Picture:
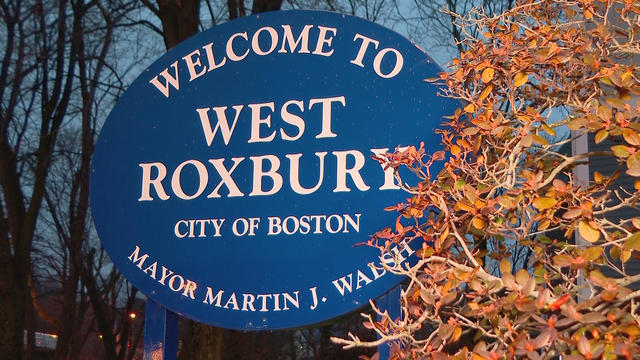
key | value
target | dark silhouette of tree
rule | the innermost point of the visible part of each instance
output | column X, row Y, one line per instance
column 56, row 75
column 35, row 90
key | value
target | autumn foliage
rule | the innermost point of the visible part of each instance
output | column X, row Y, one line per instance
column 521, row 256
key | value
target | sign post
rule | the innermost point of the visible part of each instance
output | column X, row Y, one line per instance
column 234, row 180
column 160, row 332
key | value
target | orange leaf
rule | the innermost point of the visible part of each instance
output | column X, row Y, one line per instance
column 572, row 213
column 470, row 108
column 633, row 242
column 540, row 140
column 478, row 223
column 485, row 92
column 527, row 140
column 633, row 165
column 464, row 205
column 604, row 112
column 487, row 74
column 587, row 232
column 548, row 129
column 544, row 202
column 562, row 260
column 520, row 79
column 621, row 151
column 592, row 253
column 464, row 143
column 615, row 102
column 601, row 135
column 399, row 227
column 444, row 234
column 598, row 177
column 587, row 14
column 632, row 330
column 598, row 278
column 631, row 137
column 625, row 255
column 457, row 331
column 505, row 266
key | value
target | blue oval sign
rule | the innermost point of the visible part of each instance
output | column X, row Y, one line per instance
column 234, row 178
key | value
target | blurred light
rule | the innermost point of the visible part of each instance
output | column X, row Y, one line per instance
column 132, row 315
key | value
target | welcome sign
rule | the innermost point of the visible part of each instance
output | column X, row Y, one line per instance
column 233, row 180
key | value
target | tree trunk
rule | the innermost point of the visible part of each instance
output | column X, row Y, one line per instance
column 54, row 92
column 180, row 20
column 30, row 329
column 260, row 6
column 67, row 321
column 202, row 342
column 236, row 9
column 103, row 320
column 12, row 299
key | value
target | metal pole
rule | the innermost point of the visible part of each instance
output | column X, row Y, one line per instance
column 579, row 146
column 160, row 332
